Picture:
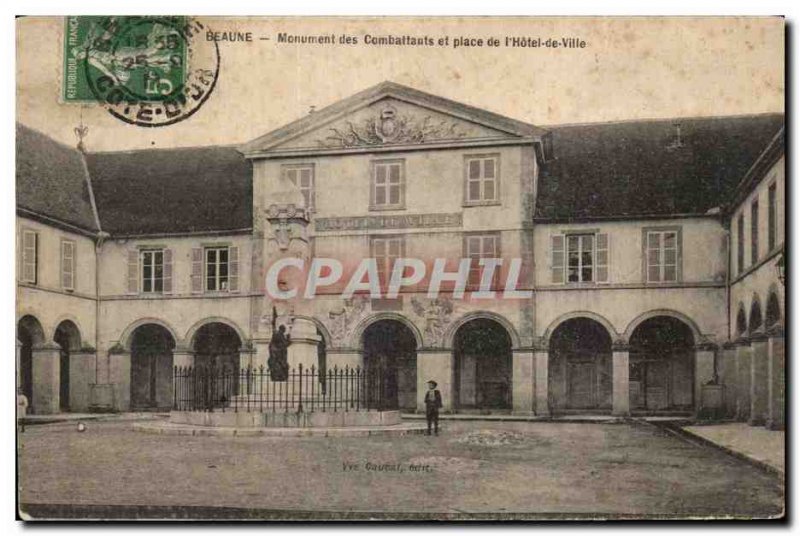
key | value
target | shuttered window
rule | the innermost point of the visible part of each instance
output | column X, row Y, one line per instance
column 579, row 258
column 386, row 250
column 481, row 179
column 68, row 265
column 152, row 271
column 215, row 269
column 754, row 232
column 662, row 255
column 30, row 257
column 477, row 247
column 302, row 176
column 388, row 184
column 772, row 223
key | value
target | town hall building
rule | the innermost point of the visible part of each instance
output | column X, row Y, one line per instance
column 651, row 254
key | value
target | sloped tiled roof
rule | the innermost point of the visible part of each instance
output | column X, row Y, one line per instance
column 172, row 190
column 629, row 169
column 51, row 180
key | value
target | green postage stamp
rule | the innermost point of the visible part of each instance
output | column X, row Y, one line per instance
column 146, row 56
column 147, row 71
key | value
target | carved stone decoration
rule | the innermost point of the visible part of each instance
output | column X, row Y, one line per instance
column 287, row 222
column 436, row 314
column 390, row 128
column 341, row 320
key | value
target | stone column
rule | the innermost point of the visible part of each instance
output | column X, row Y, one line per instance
column 303, row 345
column 82, row 375
column 776, row 386
column 182, row 357
column 46, row 379
column 19, row 366
column 707, row 392
column 119, row 375
column 726, row 370
column 522, row 378
column 22, row 403
column 620, row 390
column 540, row 375
column 435, row 365
column 743, row 354
column 758, row 379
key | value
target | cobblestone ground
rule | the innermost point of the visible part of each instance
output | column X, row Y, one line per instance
column 472, row 467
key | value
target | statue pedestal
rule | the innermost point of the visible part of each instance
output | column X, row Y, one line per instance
column 303, row 345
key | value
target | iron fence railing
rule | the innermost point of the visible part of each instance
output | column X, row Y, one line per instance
column 210, row 388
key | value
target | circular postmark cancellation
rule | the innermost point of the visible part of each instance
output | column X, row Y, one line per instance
column 150, row 71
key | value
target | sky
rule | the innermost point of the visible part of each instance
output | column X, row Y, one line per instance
column 631, row 68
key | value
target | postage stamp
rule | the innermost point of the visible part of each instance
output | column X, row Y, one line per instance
column 147, row 71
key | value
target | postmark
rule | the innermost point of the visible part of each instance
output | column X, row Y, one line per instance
column 146, row 71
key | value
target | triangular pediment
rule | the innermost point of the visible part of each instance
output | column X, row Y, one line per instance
column 389, row 115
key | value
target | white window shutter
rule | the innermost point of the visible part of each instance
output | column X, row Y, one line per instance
column 602, row 262
column 67, row 265
column 233, row 269
column 557, row 258
column 133, row 271
column 197, row 270
column 167, row 271
column 29, row 247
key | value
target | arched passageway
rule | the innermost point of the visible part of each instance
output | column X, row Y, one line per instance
column 390, row 346
column 482, row 361
column 773, row 315
column 30, row 334
column 662, row 365
column 580, row 376
column 68, row 339
column 151, row 368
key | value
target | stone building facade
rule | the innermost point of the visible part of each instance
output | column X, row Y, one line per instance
column 620, row 235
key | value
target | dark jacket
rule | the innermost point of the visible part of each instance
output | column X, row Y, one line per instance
column 435, row 401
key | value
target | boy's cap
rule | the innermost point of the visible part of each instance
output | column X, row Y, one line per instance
column 432, row 382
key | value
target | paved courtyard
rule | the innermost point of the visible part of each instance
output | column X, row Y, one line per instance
column 472, row 467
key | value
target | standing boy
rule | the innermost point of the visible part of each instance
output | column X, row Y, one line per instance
column 433, row 401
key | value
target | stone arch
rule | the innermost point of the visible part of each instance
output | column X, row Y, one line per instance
column 326, row 335
column 127, row 334
column 741, row 321
column 33, row 327
column 356, row 339
column 190, row 334
column 696, row 333
column 755, row 319
column 773, row 314
column 71, row 319
column 68, row 331
column 452, row 329
column 603, row 321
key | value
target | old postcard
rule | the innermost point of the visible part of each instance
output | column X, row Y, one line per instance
column 397, row 268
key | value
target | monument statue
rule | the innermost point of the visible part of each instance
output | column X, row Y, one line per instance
column 278, row 347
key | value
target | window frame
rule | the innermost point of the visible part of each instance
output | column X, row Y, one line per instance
column 35, row 263
column 740, row 243
column 772, row 216
column 373, row 170
column 477, row 268
column 662, row 230
column 384, row 277
column 466, row 201
column 580, row 233
column 142, row 255
column 754, row 221
column 217, row 278
column 311, row 199
column 73, row 267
